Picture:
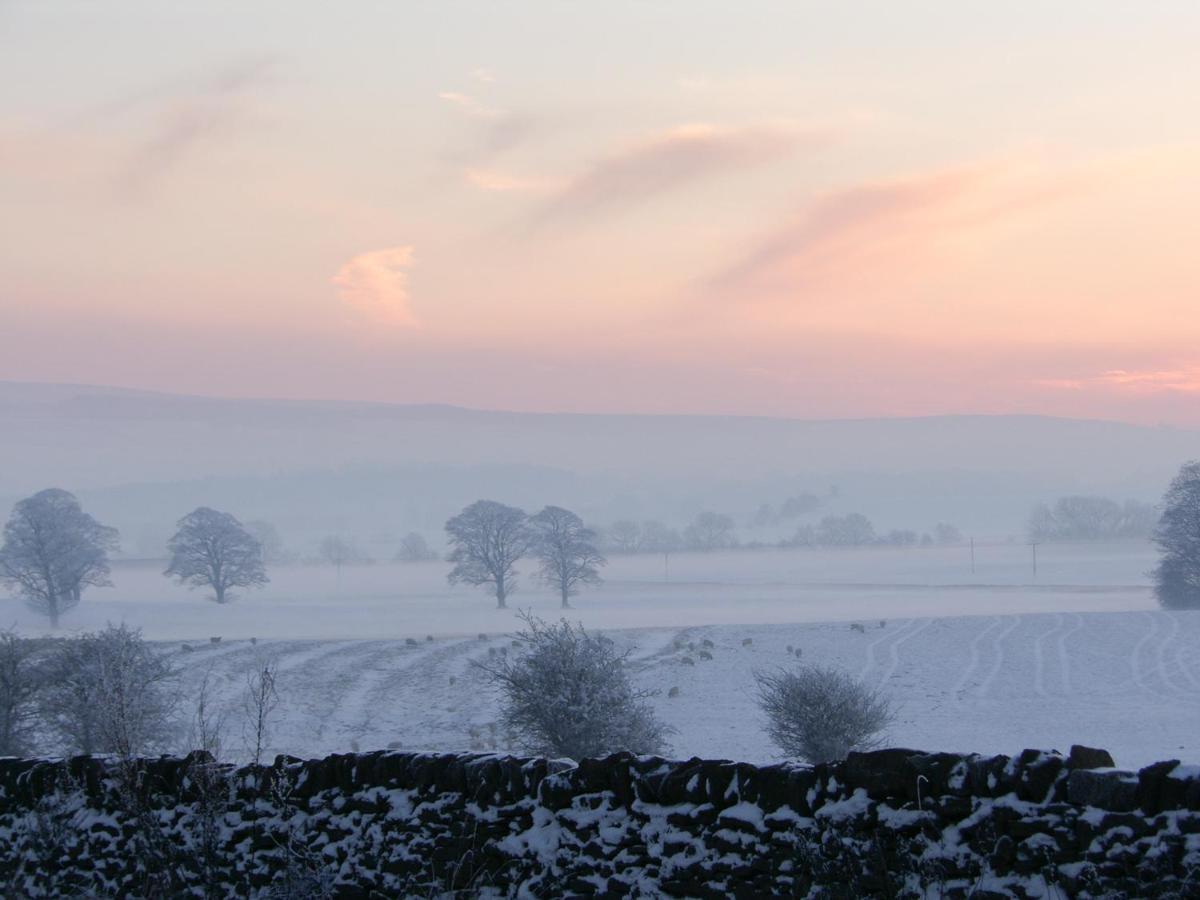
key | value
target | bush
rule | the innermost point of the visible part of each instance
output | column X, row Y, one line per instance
column 110, row 692
column 568, row 694
column 20, row 681
column 821, row 714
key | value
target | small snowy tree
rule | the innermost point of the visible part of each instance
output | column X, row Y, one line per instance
column 258, row 704
column 52, row 550
column 486, row 540
column 110, row 692
column 567, row 551
column 820, row 714
column 569, row 694
column 213, row 549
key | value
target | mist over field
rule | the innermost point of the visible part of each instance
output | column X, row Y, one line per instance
column 374, row 471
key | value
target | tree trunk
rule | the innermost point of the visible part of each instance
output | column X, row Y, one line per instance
column 52, row 608
column 566, row 596
column 220, row 589
column 501, row 593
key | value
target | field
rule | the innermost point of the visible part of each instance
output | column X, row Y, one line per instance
column 992, row 662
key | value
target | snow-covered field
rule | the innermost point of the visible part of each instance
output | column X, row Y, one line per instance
column 992, row 683
column 391, row 600
column 993, row 662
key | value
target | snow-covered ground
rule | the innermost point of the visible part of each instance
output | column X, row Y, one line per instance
column 390, row 600
column 993, row 662
column 1129, row 682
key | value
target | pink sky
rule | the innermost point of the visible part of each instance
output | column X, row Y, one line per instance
column 761, row 208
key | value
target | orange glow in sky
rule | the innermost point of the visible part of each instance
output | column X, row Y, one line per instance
column 786, row 209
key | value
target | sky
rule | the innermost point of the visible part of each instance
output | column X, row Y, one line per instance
column 667, row 206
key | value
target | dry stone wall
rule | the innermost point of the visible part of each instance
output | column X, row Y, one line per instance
column 891, row 823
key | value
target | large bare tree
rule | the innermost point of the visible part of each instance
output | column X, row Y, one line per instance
column 53, row 550
column 486, row 540
column 567, row 551
column 213, row 549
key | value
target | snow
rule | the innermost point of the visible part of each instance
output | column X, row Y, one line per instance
column 990, row 665
column 391, row 600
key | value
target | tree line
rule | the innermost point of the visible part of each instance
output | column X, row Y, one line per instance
column 1084, row 518
column 53, row 551
column 710, row 531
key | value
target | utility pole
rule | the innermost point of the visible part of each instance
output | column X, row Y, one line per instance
column 666, row 565
column 972, row 556
column 1033, row 545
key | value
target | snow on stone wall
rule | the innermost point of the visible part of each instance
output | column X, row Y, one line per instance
column 891, row 823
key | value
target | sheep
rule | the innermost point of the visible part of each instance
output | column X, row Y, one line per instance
column 673, row 692
column 747, row 642
column 704, row 654
column 686, row 661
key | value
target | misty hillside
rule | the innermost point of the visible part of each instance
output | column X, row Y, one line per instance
column 142, row 459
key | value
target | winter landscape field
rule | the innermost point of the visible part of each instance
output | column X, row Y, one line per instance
column 381, row 656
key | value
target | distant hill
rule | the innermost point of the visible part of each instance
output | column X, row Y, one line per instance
column 137, row 451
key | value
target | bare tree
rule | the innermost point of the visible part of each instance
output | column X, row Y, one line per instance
column 850, row 530
column 111, row 692
column 486, row 540
column 338, row 552
column 569, row 694
column 20, row 681
column 258, row 703
column 213, row 549
column 1177, row 576
column 53, row 550
column 945, row 533
column 567, row 551
column 269, row 540
column 658, row 538
column 624, row 536
column 821, row 714
column 709, row 531
column 414, row 548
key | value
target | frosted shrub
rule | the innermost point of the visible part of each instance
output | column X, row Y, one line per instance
column 820, row 714
column 20, row 680
column 110, row 692
column 568, row 694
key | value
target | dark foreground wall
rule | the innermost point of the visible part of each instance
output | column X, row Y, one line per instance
column 894, row 823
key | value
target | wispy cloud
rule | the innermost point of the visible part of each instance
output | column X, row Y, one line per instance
column 897, row 219
column 503, row 182
column 375, row 284
column 666, row 162
column 182, row 118
column 1180, row 380
column 472, row 106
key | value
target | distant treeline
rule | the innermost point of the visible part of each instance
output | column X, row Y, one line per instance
column 1078, row 518
column 710, row 531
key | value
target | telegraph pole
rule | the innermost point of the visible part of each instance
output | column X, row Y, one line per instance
column 1033, row 545
column 972, row 556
